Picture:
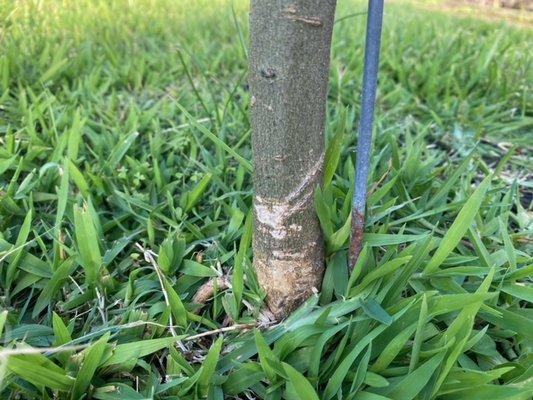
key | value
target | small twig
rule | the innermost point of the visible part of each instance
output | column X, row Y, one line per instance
column 185, row 125
column 5, row 353
column 101, row 306
column 76, row 284
column 345, row 17
column 207, row 290
column 236, row 327
column 41, row 350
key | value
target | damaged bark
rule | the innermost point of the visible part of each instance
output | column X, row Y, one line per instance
column 289, row 69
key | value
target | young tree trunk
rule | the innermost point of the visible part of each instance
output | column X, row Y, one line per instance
column 289, row 69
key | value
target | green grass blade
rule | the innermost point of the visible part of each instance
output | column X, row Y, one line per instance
column 91, row 361
column 88, row 244
column 459, row 227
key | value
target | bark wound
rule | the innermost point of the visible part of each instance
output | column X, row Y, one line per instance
column 291, row 13
column 292, row 270
column 272, row 215
column 268, row 73
column 289, row 278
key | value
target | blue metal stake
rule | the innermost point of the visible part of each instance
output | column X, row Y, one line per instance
column 364, row 144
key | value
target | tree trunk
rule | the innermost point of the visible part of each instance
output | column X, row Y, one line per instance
column 289, row 69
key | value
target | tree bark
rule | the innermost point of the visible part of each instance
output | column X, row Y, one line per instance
column 289, row 69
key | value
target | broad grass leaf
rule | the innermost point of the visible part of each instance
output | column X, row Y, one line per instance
column 520, row 273
column 374, row 310
column 291, row 341
column 74, row 136
column 191, row 198
column 393, row 348
column 193, row 268
column 479, row 247
column 459, row 226
column 511, row 320
column 40, row 372
column 120, row 150
column 419, row 334
column 176, row 305
column 508, row 244
column 62, row 200
column 447, row 303
column 264, row 352
column 460, row 330
column 88, row 244
column 460, row 379
column 52, row 286
column 335, row 277
column 243, row 377
column 334, row 150
column 323, row 213
column 7, row 163
column 209, row 366
column 3, row 318
column 358, row 268
column 91, row 361
column 180, row 362
column 385, row 239
column 521, row 291
column 318, row 347
column 470, row 310
column 344, row 367
column 382, row 191
column 237, row 279
column 338, row 239
column 363, row 395
column 79, row 179
column 118, row 391
column 53, row 69
column 61, row 333
column 361, row 371
column 24, row 280
column 125, row 352
column 302, row 388
column 375, row 380
column 492, row 392
column 413, row 383
column 61, row 337
column 381, row 271
column 18, row 250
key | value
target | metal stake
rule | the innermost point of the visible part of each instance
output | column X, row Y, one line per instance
column 364, row 143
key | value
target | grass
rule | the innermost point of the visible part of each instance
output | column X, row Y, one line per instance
column 125, row 185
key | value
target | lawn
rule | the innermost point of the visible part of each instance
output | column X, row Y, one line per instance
column 125, row 186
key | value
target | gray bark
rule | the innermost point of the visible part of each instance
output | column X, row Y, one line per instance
column 289, row 69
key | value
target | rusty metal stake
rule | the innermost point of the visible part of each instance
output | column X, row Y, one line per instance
column 364, row 143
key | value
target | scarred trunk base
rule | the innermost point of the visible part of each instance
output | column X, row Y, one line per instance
column 289, row 279
column 289, row 260
column 289, row 68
